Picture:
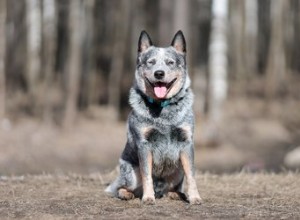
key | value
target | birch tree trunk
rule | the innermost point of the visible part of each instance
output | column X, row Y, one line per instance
column 2, row 57
column 218, row 59
column 33, row 8
column 217, row 69
column 74, row 63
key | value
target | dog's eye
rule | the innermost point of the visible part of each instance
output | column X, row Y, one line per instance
column 151, row 62
column 170, row 62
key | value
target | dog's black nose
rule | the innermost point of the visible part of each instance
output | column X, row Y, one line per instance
column 159, row 74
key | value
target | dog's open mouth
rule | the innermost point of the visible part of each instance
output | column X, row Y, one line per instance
column 161, row 89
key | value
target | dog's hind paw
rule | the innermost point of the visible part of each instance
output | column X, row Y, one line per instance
column 125, row 194
column 174, row 195
column 148, row 200
column 177, row 196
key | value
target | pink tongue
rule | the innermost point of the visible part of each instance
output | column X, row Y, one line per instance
column 160, row 92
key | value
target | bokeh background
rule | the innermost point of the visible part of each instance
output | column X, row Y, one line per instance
column 66, row 67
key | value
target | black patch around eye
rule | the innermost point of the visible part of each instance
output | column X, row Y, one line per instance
column 145, row 57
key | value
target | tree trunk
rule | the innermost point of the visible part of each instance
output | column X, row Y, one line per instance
column 218, row 59
column 263, row 33
column 88, row 86
column 48, row 49
column 165, row 27
column 137, row 25
column 217, row 69
column 276, row 66
column 251, row 28
column 181, row 7
column 74, row 63
column 33, row 8
column 237, row 36
column 2, row 57
column 117, row 68
column 294, row 35
column 199, row 42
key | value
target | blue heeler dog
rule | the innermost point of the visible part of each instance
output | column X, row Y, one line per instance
column 159, row 151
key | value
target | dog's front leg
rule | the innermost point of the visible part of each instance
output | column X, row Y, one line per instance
column 145, row 160
column 187, row 161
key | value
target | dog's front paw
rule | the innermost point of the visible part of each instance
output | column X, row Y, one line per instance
column 195, row 200
column 148, row 200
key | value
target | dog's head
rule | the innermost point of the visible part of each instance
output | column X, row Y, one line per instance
column 161, row 72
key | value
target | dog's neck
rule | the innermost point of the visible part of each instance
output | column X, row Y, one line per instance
column 162, row 103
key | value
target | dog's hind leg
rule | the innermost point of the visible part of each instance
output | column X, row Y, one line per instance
column 127, row 182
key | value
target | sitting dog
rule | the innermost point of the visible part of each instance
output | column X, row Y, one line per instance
column 159, row 151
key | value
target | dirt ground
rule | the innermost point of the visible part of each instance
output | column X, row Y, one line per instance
column 233, row 196
column 250, row 147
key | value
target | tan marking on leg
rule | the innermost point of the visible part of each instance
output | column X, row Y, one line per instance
column 145, row 131
column 125, row 194
column 187, row 131
column 192, row 191
column 148, row 191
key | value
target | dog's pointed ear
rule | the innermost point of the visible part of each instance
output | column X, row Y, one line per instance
column 144, row 42
column 178, row 42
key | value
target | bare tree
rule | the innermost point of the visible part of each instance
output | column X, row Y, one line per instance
column 217, row 67
column 117, row 65
column 74, row 63
column 218, row 58
column 33, row 45
column 137, row 25
column 182, row 22
column 2, row 57
column 48, row 49
column 251, row 27
column 276, row 65
column 181, row 7
column 237, row 36
column 199, row 42
column 165, row 27
column 88, row 86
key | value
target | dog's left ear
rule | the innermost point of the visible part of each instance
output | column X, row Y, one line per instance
column 178, row 42
column 144, row 42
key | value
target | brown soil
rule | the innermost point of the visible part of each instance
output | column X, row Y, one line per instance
column 235, row 196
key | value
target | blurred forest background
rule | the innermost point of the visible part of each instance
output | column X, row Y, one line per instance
column 66, row 68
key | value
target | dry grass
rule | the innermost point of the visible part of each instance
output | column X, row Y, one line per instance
column 235, row 196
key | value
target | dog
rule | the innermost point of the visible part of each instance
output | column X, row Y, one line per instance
column 159, row 151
